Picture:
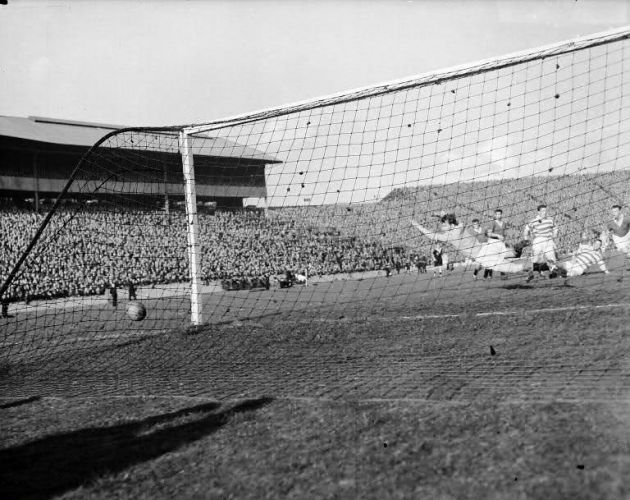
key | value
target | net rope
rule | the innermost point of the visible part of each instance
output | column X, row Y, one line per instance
column 348, row 203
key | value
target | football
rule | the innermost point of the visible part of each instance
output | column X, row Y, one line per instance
column 136, row 311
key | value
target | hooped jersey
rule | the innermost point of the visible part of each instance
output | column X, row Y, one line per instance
column 541, row 228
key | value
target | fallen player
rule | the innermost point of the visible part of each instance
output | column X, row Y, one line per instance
column 588, row 253
column 492, row 254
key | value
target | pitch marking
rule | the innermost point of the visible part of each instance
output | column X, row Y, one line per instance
column 518, row 311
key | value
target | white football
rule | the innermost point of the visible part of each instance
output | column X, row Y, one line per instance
column 136, row 311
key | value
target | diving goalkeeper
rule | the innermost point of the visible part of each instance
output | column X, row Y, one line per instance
column 491, row 254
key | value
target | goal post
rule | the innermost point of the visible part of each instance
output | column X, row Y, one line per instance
column 192, row 229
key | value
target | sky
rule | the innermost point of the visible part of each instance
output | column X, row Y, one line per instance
column 167, row 62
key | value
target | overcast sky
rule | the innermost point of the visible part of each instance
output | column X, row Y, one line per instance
column 169, row 62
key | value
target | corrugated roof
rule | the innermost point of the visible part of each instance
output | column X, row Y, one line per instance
column 52, row 133
column 85, row 134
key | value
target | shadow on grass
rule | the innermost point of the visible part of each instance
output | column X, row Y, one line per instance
column 20, row 402
column 55, row 464
column 517, row 286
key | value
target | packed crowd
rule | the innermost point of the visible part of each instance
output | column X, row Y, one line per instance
column 86, row 250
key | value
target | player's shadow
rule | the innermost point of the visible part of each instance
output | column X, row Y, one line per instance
column 20, row 402
column 517, row 286
column 55, row 464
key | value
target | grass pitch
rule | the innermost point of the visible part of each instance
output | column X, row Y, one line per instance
column 344, row 390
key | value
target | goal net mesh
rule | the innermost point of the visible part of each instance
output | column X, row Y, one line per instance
column 306, row 213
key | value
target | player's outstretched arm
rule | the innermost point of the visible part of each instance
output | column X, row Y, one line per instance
column 428, row 233
column 516, row 266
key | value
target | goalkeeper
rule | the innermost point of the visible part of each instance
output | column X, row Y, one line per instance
column 491, row 254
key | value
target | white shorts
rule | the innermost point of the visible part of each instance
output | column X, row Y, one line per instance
column 491, row 253
column 543, row 251
column 622, row 243
column 574, row 268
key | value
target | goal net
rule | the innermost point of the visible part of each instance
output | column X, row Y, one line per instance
column 378, row 201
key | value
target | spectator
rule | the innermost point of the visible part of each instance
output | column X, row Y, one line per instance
column 114, row 293
column 132, row 291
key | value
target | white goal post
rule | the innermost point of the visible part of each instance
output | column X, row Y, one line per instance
column 192, row 229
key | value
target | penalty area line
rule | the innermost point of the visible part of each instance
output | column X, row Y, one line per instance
column 551, row 309
column 519, row 311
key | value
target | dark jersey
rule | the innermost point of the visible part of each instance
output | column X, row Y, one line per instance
column 479, row 234
column 437, row 257
column 497, row 227
column 619, row 228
